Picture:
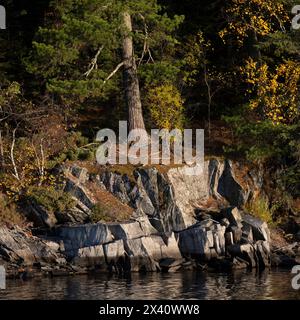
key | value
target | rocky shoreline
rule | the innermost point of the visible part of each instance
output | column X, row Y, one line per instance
column 179, row 222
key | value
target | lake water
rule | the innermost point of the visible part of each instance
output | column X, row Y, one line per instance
column 182, row 285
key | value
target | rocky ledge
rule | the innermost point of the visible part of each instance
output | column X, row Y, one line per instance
column 235, row 240
column 178, row 222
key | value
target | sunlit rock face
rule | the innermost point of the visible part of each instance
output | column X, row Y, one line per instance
column 178, row 221
column 170, row 199
column 229, row 238
column 177, row 217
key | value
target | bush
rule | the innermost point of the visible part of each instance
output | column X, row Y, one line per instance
column 275, row 146
column 51, row 199
column 166, row 107
column 72, row 149
column 100, row 213
column 263, row 141
column 86, row 155
column 8, row 213
column 260, row 208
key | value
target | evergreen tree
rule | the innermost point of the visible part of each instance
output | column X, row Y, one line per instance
column 83, row 45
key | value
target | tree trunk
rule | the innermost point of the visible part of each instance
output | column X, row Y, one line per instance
column 254, row 51
column 131, row 82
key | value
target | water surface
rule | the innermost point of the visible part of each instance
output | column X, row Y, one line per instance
column 182, row 285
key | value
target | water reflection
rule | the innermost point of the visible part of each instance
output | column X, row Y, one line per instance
column 185, row 285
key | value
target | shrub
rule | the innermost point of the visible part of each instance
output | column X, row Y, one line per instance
column 276, row 94
column 260, row 208
column 166, row 107
column 72, row 149
column 8, row 212
column 86, row 155
column 51, row 199
column 100, row 213
column 263, row 141
column 274, row 146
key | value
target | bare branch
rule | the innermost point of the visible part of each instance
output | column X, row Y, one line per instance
column 43, row 158
column 146, row 48
column 5, row 118
column 1, row 150
column 16, row 174
column 121, row 64
column 94, row 63
column 40, row 161
column 150, row 56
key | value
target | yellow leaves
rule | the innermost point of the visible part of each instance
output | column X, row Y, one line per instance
column 257, row 16
column 28, row 168
column 166, row 107
column 276, row 93
column 197, row 50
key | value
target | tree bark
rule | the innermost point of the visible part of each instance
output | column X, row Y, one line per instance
column 254, row 51
column 131, row 82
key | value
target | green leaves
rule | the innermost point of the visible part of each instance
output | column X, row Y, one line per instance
column 67, row 46
column 263, row 141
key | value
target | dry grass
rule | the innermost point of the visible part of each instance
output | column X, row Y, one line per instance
column 108, row 207
column 260, row 208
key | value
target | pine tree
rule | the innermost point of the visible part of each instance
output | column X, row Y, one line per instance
column 84, row 44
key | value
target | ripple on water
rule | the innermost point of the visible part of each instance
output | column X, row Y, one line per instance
column 181, row 285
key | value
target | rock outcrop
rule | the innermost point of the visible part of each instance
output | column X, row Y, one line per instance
column 287, row 256
column 21, row 252
column 170, row 199
column 177, row 221
column 138, row 246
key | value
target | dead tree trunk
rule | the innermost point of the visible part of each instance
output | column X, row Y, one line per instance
column 131, row 82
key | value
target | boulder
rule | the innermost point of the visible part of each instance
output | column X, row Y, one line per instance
column 239, row 263
column 40, row 216
column 287, row 256
column 229, row 239
column 82, row 236
column 132, row 229
column 263, row 254
column 225, row 222
column 160, row 248
column 139, row 257
column 21, row 248
column 142, row 202
column 116, row 257
column 91, row 256
column 247, row 234
column 259, row 228
column 245, row 252
column 148, row 180
column 170, row 263
column 80, row 173
column 197, row 242
column 237, row 234
column 80, row 193
column 234, row 216
column 119, row 185
column 229, row 188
